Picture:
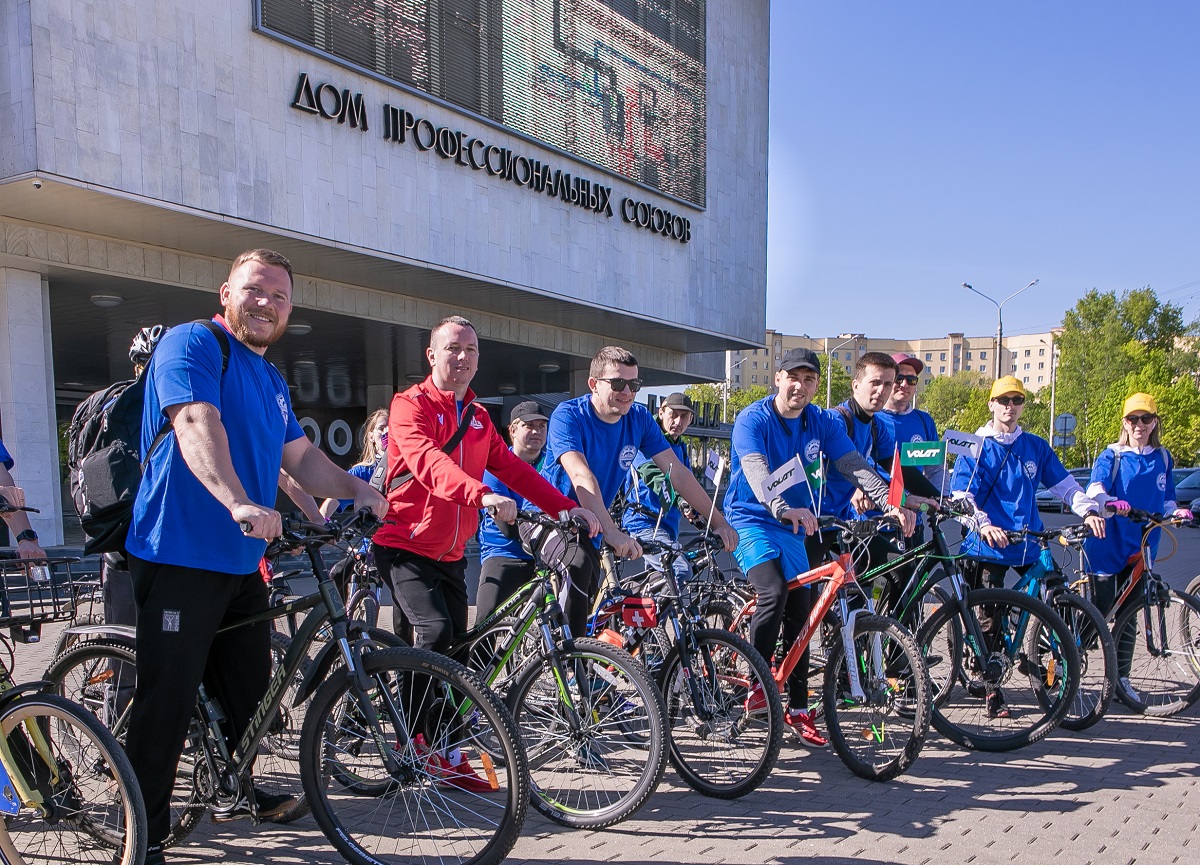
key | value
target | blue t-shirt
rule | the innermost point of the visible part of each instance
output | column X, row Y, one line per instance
column 1143, row 480
column 632, row 521
column 837, row 497
column 817, row 436
column 363, row 473
column 912, row 426
column 176, row 520
column 6, row 459
column 491, row 541
column 1004, row 483
column 610, row 448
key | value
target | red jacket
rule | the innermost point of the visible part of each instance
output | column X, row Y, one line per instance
column 437, row 511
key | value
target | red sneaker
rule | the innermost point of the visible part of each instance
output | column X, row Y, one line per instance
column 756, row 701
column 802, row 725
column 463, row 775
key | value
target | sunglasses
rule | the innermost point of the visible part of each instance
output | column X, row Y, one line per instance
column 619, row 384
column 1147, row 419
column 906, row 379
column 1010, row 400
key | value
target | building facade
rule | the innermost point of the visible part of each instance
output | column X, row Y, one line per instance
column 566, row 173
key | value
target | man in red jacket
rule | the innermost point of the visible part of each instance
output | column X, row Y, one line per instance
column 434, row 497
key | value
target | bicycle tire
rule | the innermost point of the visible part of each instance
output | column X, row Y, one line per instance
column 717, row 613
column 1159, row 685
column 1193, row 588
column 733, row 752
column 941, row 655
column 881, row 735
column 66, row 639
column 93, row 674
column 97, row 812
column 967, row 712
column 413, row 814
column 1097, row 660
column 622, row 737
column 481, row 654
column 364, row 607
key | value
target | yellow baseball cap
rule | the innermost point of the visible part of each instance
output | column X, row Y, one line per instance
column 1007, row 384
column 1139, row 402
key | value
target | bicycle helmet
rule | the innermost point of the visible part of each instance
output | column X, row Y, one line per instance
column 145, row 341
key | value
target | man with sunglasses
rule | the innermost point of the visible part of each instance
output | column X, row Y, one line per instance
column 909, row 424
column 1002, row 486
column 592, row 443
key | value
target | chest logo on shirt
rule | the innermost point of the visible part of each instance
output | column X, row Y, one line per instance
column 1031, row 469
column 812, row 450
column 917, row 438
column 627, row 455
column 279, row 398
column 1162, row 482
column 475, row 424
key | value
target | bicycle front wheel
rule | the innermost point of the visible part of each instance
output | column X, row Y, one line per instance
column 1158, row 667
column 1097, row 660
column 92, row 808
column 1015, row 689
column 435, row 796
column 595, row 731
column 879, row 733
column 718, row 747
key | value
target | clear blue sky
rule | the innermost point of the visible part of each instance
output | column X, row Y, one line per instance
column 917, row 145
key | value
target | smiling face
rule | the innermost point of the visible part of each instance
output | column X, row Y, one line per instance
column 796, row 389
column 453, row 356
column 610, row 404
column 257, row 301
column 903, row 390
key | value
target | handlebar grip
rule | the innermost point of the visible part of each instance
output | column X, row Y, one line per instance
column 246, row 526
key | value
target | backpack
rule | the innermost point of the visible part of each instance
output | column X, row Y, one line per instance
column 848, row 417
column 102, row 456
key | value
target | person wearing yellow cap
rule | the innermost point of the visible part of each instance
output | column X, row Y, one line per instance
column 1133, row 472
column 1002, row 485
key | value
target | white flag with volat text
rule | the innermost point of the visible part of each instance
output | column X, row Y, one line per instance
column 715, row 467
column 785, row 477
column 966, row 444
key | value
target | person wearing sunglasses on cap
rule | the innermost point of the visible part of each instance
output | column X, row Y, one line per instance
column 907, row 423
column 1135, row 472
column 592, row 442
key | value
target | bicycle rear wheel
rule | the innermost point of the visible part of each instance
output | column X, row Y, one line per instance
column 880, row 734
column 95, row 809
column 717, row 747
column 1014, row 690
column 1158, row 670
column 1097, row 660
column 596, row 757
column 431, row 710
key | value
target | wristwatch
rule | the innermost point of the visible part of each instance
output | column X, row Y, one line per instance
column 27, row 535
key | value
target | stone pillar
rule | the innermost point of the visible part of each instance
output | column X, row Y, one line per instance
column 381, row 367
column 27, row 418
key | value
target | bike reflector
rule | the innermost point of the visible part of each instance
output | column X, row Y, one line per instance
column 639, row 612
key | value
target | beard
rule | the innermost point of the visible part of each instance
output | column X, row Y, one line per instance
column 236, row 318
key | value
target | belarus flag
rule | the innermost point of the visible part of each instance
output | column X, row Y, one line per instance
column 896, row 487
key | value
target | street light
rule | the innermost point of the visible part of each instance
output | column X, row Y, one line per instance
column 1054, row 332
column 829, row 364
column 725, row 388
column 999, row 317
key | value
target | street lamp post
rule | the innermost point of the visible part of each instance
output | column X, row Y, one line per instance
column 999, row 317
column 1053, row 379
column 829, row 365
column 725, row 385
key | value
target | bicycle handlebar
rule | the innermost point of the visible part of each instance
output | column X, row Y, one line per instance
column 6, row 508
column 300, row 533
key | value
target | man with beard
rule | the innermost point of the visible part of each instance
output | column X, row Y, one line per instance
column 216, row 439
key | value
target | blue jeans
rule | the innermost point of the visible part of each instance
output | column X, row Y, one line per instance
column 683, row 570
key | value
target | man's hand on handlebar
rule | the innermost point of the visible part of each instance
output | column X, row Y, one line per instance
column 1184, row 514
column 369, row 497
column 800, row 517
column 623, row 546
column 257, row 521
column 994, row 536
column 906, row 518
column 593, row 524
column 14, row 497
column 1095, row 522
column 917, row 503
column 501, row 507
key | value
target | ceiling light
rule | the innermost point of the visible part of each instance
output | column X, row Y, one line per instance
column 549, row 366
column 506, row 389
column 305, row 364
column 299, row 328
column 72, row 384
column 107, row 301
column 415, row 377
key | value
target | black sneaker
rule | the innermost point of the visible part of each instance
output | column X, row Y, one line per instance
column 154, row 856
column 271, row 806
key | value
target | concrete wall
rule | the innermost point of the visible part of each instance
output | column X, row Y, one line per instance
column 17, row 150
column 182, row 102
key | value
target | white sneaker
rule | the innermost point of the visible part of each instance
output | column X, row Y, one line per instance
column 1129, row 689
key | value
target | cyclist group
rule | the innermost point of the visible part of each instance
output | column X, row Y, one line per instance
column 221, row 434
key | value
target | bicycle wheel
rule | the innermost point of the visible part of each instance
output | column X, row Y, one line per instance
column 596, row 757
column 430, row 709
column 484, row 654
column 100, row 676
column 717, row 747
column 1097, row 660
column 942, row 653
column 364, row 607
column 1158, row 669
column 1014, row 690
column 879, row 734
column 93, row 805
column 1193, row 588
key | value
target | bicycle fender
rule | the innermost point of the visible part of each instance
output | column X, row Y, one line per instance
column 120, row 632
column 318, row 669
column 14, row 693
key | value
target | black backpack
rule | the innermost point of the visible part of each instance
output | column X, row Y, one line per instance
column 102, row 456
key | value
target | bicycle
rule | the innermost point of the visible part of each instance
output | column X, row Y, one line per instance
column 718, row 747
column 877, row 694
column 1097, row 651
column 67, row 791
column 593, row 722
column 994, row 691
column 376, row 752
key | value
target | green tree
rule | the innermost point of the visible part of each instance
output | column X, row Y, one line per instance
column 957, row 401
column 738, row 399
column 841, row 384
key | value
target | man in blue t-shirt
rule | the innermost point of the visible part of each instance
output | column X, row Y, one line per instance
column 908, row 424
column 27, row 539
column 592, row 442
column 504, row 564
column 216, row 439
column 768, row 507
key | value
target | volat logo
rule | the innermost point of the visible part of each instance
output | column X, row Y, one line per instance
column 782, row 479
column 924, row 453
column 960, row 443
column 812, row 450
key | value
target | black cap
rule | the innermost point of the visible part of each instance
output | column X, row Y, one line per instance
column 679, row 400
column 797, row 358
column 527, row 411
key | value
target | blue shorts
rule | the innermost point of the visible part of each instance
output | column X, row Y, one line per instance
column 763, row 542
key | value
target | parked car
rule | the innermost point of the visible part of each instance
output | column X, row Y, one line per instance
column 1181, row 474
column 1187, row 491
column 1048, row 501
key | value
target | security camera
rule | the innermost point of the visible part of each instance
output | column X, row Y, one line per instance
column 37, row 184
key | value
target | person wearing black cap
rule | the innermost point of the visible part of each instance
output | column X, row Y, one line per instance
column 768, row 513
column 504, row 564
column 652, row 505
